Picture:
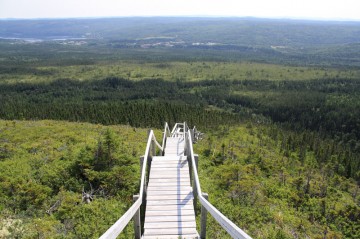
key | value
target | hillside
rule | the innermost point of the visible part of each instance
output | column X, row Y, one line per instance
column 46, row 165
column 266, row 40
column 264, row 179
column 274, row 184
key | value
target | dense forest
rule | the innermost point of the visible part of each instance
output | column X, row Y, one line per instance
column 280, row 155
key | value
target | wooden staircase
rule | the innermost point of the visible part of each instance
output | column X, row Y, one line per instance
column 169, row 202
column 166, row 194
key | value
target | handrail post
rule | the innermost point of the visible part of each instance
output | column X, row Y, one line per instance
column 136, row 218
column 145, row 179
column 153, row 149
column 186, row 146
column 184, row 130
column 203, row 218
column 196, row 157
column 141, row 163
column 163, row 143
column 195, row 192
column 192, row 135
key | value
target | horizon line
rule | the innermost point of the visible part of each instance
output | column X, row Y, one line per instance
column 191, row 16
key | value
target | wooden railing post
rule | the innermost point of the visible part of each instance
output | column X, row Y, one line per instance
column 141, row 163
column 192, row 135
column 141, row 166
column 203, row 218
column 136, row 218
column 196, row 157
column 195, row 192
column 153, row 149
column 163, row 143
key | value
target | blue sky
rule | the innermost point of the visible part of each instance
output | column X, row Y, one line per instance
column 308, row 9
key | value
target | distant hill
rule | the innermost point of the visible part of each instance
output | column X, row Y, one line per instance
column 239, row 31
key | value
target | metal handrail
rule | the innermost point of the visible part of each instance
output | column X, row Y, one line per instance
column 121, row 223
column 229, row 226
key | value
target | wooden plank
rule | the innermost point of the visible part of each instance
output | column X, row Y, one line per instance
column 173, row 161
column 179, row 170
column 176, row 172
column 168, row 184
column 169, row 224
column 175, row 143
column 179, row 154
column 171, row 157
column 170, row 219
column 189, row 236
column 163, row 187
column 170, row 231
column 177, row 148
column 169, row 166
column 176, row 159
column 170, row 162
column 170, row 197
column 174, row 166
column 164, row 178
column 172, row 192
column 169, row 178
column 171, row 173
column 167, row 202
column 165, row 182
column 159, row 167
column 187, row 196
column 165, row 175
column 169, row 188
column 188, row 206
column 174, row 152
column 179, row 213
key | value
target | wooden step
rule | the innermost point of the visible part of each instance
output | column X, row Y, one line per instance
column 170, row 224
column 170, row 231
column 189, row 236
column 169, row 209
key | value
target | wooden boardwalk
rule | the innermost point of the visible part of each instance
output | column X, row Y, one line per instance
column 169, row 202
column 168, row 196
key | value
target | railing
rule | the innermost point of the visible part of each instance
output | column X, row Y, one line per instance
column 166, row 133
column 206, row 206
column 134, row 211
